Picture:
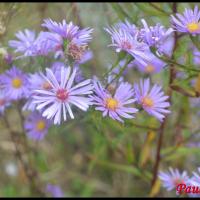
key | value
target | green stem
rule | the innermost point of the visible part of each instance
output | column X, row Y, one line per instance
column 173, row 150
column 115, row 65
column 171, row 61
column 143, row 127
column 121, row 71
column 120, row 12
column 158, row 9
column 172, row 77
column 195, row 41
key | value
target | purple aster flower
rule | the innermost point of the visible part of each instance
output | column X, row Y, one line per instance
column 15, row 83
column 55, row 42
column 56, row 103
column 167, row 47
column 155, row 36
column 54, row 190
column 195, row 177
column 151, row 66
column 152, row 100
column 69, row 31
column 57, row 66
column 36, row 81
column 36, row 126
column 128, row 27
column 44, row 44
column 195, row 181
column 173, row 178
column 188, row 22
column 29, row 45
column 115, row 106
column 25, row 42
column 4, row 101
column 73, row 40
column 124, row 41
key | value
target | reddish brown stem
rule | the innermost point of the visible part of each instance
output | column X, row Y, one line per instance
column 42, row 7
column 76, row 13
column 172, row 76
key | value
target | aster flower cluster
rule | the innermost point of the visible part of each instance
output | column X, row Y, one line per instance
column 55, row 103
column 50, row 95
column 70, row 39
column 138, row 43
column 57, row 93
column 188, row 22
column 30, row 45
column 114, row 101
column 171, row 179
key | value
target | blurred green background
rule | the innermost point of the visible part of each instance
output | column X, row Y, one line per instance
column 91, row 156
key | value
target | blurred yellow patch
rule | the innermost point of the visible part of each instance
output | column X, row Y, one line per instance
column 41, row 125
column 197, row 84
column 146, row 149
column 111, row 103
column 155, row 189
column 192, row 27
column 150, row 68
column 16, row 82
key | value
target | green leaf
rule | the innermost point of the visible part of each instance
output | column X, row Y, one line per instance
column 120, row 12
column 125, row 168
column 150, row 10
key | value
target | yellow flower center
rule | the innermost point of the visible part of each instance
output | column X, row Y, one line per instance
column 192, row 27
column 111, row 103
column 146, row 101
column 46, row 86
column 40, row 125
column 16, row 82
column 149, row 68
